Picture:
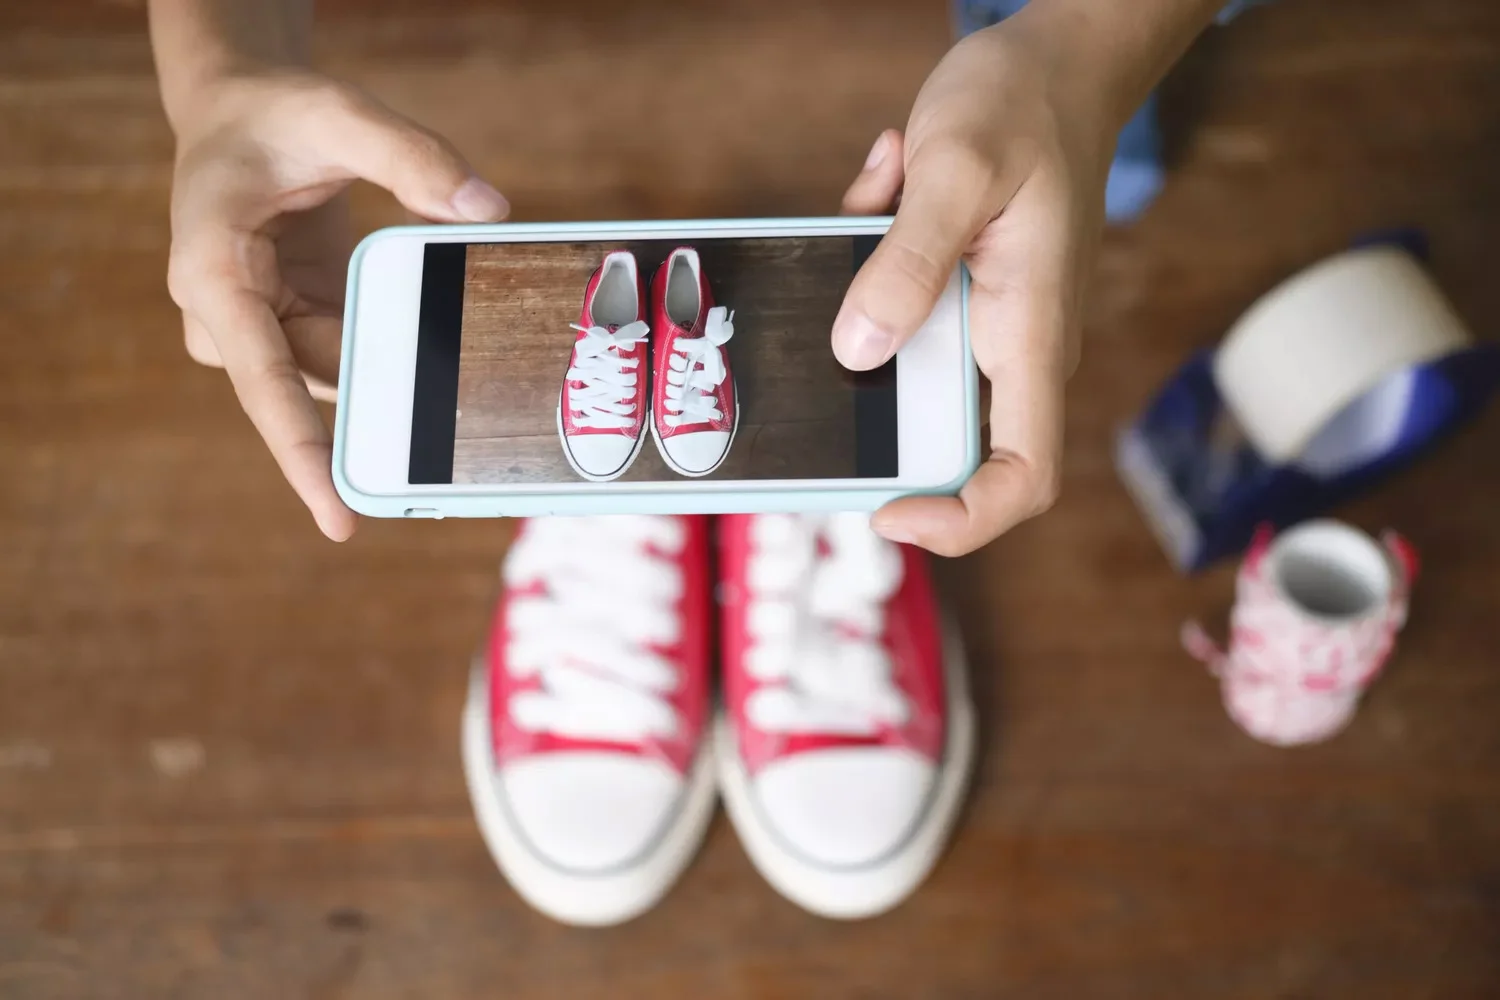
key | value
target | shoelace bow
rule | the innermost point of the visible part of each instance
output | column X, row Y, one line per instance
column 605, row 397
column 601, row 597
column 697, row 368
column 815, row 626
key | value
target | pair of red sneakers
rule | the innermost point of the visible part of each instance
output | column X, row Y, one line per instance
column 594, row 745
column 601, row 410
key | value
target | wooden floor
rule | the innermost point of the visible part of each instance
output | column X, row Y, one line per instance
column 795, row 402
column 229, row 749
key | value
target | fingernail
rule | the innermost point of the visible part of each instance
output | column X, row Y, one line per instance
column 860, row 344
column 877, row 153
column 478, row 202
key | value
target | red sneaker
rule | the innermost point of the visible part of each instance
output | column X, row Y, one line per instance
column 601, row 410
column 846, row 738
column 693, row 416
column 583, row 739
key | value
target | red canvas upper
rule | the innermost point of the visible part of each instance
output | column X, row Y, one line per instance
column 689, row 655
column 911, row 637
column 639, row 351
column 665, row 333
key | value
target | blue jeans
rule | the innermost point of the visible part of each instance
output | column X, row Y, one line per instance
column 1137, row 174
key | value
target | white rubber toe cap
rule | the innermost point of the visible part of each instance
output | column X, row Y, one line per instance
column 590, row 811
column 845, row 807
column 698, row 452
column 603, row 456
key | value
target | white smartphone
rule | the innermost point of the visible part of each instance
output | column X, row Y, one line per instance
column 644, row 367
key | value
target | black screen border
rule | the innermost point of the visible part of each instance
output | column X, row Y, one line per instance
column 434, row 400
column 876, row 437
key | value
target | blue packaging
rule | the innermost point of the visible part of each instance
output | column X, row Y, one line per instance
column 1204, row 488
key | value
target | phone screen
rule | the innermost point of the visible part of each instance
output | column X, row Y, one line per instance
column 644, row 361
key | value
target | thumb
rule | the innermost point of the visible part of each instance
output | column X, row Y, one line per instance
column 894, row 292
column 422, row 169
column 877, row 189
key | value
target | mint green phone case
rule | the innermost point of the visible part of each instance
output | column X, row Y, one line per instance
column 674, row 497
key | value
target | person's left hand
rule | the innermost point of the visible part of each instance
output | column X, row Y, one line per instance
column 1002, row 165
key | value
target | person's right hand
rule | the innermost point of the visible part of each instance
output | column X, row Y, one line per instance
column 261, row 243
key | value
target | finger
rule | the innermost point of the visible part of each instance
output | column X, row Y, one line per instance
column 874, row 191
column 423, row 170
column 1022, row 307
column 947, row 199
column 223, row 275
column 201, row 350
column 1017, row 482
column 200, row 346
column 318, row 359
column 206, row 274
column 1020, row 479
column 1003, row 492
column 274, row 395
column 322, row 391
column 316, row 343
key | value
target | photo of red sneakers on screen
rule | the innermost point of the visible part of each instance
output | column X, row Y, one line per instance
column 679, row 340
column 571, row 355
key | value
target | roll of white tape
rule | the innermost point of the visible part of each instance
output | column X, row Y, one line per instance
column 1315, row 617
column 1294, row 366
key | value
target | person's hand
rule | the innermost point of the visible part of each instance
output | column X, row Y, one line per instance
column 261, row 243
column 1002, row 165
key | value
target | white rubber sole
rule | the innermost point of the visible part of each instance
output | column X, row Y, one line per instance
column 563, row 439
column 868, row 890
column 585, row 900
column 728, row 447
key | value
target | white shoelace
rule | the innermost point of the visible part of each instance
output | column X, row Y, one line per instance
column 608, row 596
column 814, row 626
column 697, row 368
column 607, row 396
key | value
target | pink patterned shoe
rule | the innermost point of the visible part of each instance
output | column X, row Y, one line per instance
column 1316, row 614
column 584, row 733
column 847, row 734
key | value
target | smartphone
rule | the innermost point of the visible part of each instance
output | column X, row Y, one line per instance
column 637, row 367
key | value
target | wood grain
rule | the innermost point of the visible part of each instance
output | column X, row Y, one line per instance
column 796, row 403
column 229, row 749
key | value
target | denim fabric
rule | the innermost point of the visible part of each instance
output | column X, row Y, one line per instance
column 1137, row 174
column 1234, row 8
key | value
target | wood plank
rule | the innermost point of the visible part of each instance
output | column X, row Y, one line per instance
column 228, row 749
